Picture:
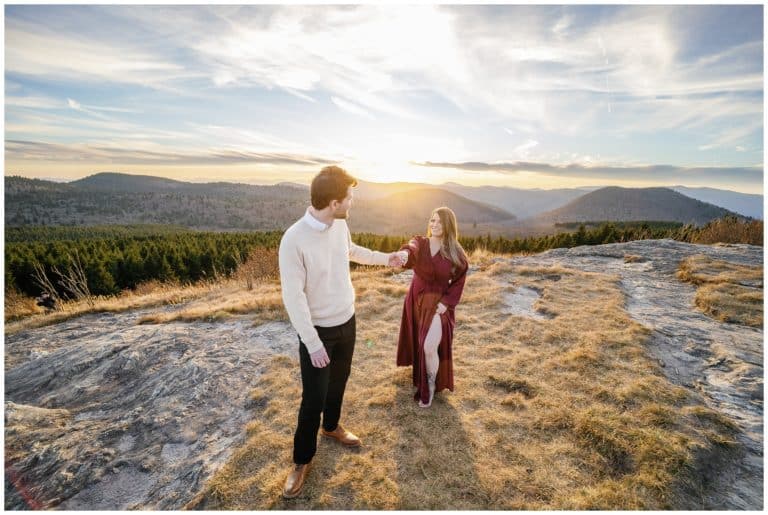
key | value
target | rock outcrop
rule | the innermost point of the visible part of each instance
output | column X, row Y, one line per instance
column 104, row 413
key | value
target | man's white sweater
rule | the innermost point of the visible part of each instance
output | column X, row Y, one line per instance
column 314, row 274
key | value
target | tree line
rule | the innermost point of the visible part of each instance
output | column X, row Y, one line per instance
column 132, row 256
column 114, row 258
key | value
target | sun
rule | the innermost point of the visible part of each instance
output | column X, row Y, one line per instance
column 392, row 156
column 398, row 171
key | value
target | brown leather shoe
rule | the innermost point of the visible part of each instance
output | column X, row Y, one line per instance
column 342, row 435
column 295, row 481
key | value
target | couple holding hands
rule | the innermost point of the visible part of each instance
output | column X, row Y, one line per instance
column 319, row 297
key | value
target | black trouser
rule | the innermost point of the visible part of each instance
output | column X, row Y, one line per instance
column 323, row 388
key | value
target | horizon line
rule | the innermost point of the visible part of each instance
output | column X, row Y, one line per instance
column 62, row 180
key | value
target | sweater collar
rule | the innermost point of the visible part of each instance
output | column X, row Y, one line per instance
column 314, row 223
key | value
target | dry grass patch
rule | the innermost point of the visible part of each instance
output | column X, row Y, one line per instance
column 726, row 291
column 731, row 230
column 17, row 306
column 263, row 301
column 567, row 413
column 145, row 296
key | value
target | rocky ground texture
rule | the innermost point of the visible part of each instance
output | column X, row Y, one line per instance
column 104, row 413
column 722, row 362
column 107, row 414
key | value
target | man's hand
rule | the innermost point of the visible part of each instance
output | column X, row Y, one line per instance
column 441, row 308
column 319, row 358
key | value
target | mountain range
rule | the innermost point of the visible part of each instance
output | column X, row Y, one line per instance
column 527, row 203
column 397, row 208
column 635, row 204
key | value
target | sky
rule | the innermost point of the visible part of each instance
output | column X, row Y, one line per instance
column 503, row 95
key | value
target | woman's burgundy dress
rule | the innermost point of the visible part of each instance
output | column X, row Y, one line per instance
column 432, row 282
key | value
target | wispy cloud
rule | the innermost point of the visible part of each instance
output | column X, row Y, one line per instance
column 730, row 137
column 351, row 108
column 34, row 102
column 498, row 83
column 524, row 149
column 32, row 150
column 35, row 50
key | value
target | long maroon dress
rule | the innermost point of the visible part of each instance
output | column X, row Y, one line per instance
column 432, row 282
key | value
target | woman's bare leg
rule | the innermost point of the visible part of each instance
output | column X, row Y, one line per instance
column 432, row 361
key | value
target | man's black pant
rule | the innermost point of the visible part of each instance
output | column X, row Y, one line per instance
column 323, row 388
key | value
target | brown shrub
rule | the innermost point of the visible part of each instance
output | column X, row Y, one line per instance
column 731, row 230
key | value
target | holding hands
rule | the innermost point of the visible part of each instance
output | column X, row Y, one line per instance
column 398, row 259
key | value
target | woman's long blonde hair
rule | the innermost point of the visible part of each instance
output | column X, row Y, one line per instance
column 451, row 249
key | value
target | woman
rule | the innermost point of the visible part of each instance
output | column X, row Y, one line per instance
column 426, row 331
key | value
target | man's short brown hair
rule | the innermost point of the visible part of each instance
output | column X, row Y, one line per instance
column 331, row 183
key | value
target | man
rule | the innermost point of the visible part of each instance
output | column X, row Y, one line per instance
column 317, row 292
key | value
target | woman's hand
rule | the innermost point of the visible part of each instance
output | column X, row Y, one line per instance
column 398, row 259
column 441, row 308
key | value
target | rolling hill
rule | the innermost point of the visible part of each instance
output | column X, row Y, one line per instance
column 407, row 212
column 128, row 199
column 523, row 203
column 742, row 203
column 396, row 208
column 633, row 204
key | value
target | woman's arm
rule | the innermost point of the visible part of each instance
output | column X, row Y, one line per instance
column 411, row 250
column 452, row 295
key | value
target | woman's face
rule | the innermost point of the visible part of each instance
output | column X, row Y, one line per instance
column 435, row 226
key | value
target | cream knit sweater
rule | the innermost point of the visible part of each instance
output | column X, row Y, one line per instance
column 314, row 274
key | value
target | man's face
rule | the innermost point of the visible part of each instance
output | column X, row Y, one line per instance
column 341, row 209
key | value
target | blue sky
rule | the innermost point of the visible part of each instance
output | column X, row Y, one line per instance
column 523, row 96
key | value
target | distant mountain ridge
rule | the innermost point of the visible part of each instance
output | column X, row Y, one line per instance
column 110, row 182
column 394, row 208
column 407, row 212
column 523, row 203
column 110, row 198
column 635, row 204
column 742, row 203
column 527, row 203
column 127, row 183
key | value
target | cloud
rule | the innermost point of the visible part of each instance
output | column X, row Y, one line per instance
column 39, row 51
column 34, row 102
column 730, row 136
column 524, row 149
column 32, row 150
column 52, row 124
column 351, row 108
column 650, row 172
column 449, row 70
column 489, row 60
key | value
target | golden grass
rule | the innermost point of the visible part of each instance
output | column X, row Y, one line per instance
column 568, row 413
column 17, row 306
column 145, row 296
column 731, row 230
column 726, row 291
column 254, row 288
column 264, row 301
